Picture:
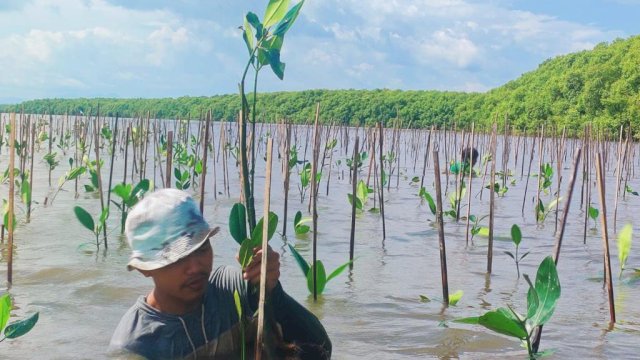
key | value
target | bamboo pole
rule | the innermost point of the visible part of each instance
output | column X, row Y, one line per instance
column 33, row 142
column 113, row 153
column 354, row 180
column 443, row 252
column 204, row 162
column 287, row 176
column 167, row 182
column 314, row 198
column 99, row 176
column 10, row 214
column 381, row 187
column 265, row 241
column 470, row 181
column 492, row 194
column 605, row 238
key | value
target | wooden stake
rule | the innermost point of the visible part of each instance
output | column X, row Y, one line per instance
column 605, row 237
column 12, row 159
column 443, row 252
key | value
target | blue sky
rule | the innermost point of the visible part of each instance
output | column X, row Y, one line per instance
column 171, row 48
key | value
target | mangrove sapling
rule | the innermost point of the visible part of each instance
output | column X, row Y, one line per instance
column 299, row 224
column 321, row 276
column 72, row 174
column 16, row 328
column 593, row 214
column 241, row 323
column 238, row 230
column 88, row 222
column 424, row 195
column 130, row 196
column 453, row 298
column 476, row 228
column 52, row 162
column 624, row 246
column 516, row 237
column 542, row 212
column 629, row 190
column 541, row 302
column 362, row 196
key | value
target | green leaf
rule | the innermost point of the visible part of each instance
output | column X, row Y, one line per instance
column 501, row 321
column 483, row 231
column 275, row 11
column 593, row 213
column 247, row 36
column 104, row 215
column 255, row 22
column 321, row 277
column 84, row 217
column 516, row 234
column 547, row 288
column 138, row 192
column 75, row 173
column 5, row 309
column 424, row 299
column 245, row 255
column 297, row 218
column 288, row 20
column 510, row 254
column 21, row 327
column 624, row 244
column 25, row 191
column 238, row 223
column 358, row 202
column 339, row 270
column 236, row 300
column 362, row 191
column 427, row 197
column 274, row 61
column 304, row 266
column 472, row 218
column 302, row 229
column 256, row 235
column 122, row 190
column 455, row 297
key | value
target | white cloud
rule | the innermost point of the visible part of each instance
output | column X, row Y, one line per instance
column 445, row 45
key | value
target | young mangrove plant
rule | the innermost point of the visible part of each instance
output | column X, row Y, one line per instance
column 542, row 212
column 16, row 328
column 299, row 224
column 593, row 214
column 629, row 190
column 241, row 323
column 516, row 237
column 624, row 246
column 238, row 230
column 321, row 275
column 541, row 302
column 476, row 228
column 362, row 196
column 71, row 175
column 87, row 221
column 545, row 177
column 424, row 195
column 130, row 196
column 52, row 163
column 453, row 298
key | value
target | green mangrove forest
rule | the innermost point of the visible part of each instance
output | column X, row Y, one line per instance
column 599, row 86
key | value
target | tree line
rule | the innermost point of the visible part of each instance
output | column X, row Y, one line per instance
column 599, row 86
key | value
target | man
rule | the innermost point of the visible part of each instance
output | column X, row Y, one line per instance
column 191, row 310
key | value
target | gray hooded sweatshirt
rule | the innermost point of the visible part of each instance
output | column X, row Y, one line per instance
column 213, row 331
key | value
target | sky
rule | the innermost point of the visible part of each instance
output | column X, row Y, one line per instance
column 173, row 48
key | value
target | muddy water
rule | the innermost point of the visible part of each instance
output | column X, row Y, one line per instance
column 373, row 312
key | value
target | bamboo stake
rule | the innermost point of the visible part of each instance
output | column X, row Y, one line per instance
column 33, row 142
column 470, row 181
column 99, row 176
column 492, row 193
column 314, row 198
column 265, row 242
column 12, row 158
column 287, row 176
column 443, row 252
column 167, row 182
column 617, row 191
column 204, row 162
column 113, row 153
column 605, row 238
column 354, row 180
column 381, row 187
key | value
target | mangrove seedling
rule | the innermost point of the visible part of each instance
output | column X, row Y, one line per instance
column 475, row 225
column 130, row 196
column 593, row 214
column 362, row 195
column 87, row 221
column 299, row 224
column 321, row 275
column 424, row 195
column 453, row 298
column 72, row 174
column 629, row 190
column 546, row 174
column 93, row 175
column 183, row 179
column 52, row 162
column 624, row 245
column 500, row 190
column 238, row 230
column 16, row 328
column 542, row 212
column 516, row 237
column 541, row 302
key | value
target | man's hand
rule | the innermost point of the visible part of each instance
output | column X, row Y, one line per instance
column 252, row 272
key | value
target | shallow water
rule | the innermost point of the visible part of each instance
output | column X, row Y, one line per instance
column 372, row 312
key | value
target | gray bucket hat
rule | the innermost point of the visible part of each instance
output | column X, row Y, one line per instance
column 163, row 228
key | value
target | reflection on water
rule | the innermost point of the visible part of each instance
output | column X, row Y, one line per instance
column 373, row 311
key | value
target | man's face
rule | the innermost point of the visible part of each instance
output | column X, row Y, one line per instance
column 179, row 287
